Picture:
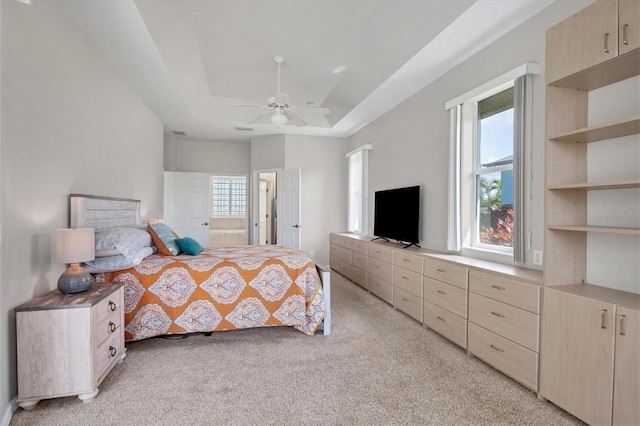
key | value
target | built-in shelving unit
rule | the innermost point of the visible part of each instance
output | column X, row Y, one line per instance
column 616, row 129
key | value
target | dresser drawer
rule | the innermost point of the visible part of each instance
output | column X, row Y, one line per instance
column 447, row 296
column 359, row 246
column 512, row 359
column 359, row 277
column 522, row 295
column 382, row 289
column 447, row 272
column 505, row 320
column 334, row 256
column 345, row 254
column 445, row 323
column 108, row 353
column 408, row 303
column 378, row 252
column 408, row 281
column 380, row 269
column 334, row 239
column 345, row 242
column 345, row 269
column 359, row 260
column 408, row 261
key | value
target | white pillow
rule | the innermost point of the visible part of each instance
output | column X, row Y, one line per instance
column 116, row 263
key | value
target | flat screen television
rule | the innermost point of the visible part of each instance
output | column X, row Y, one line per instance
column 397, row 215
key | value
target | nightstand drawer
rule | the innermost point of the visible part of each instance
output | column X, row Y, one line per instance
column 359, row 260
column 109, row 307
column 408, row 280
column 447, row 272
column 359, row 246
column 447, row 296
column 380, row 269
column 379, row 252
column 522, row 295
column 108, row 353
column 510, row 358
column 408, row 303
column 513, row 323
column 408, row 261
column 382, row 289
column 445, row 323
column 108, row 326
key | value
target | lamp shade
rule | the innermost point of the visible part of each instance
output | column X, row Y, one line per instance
column 73, row 245
column 278, row 118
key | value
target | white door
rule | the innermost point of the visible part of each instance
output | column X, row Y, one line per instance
column 186, row 205
column 288, row 207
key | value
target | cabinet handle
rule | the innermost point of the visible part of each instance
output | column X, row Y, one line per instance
column 442, row 292
column 624, row 35
column 442, row 319
column 405, row 260
column 112, row 351
column 606, row 42
column 622, row 317
column 602, row 318
column 497, row 349
column 441, row 270
column 498, row 287
column 112, row 306
column 497, row 314
column 405, row 278
column 112, row 326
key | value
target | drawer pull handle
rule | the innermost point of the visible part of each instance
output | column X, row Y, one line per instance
column 405, row 260
column 603, row 314
column 441, row 270
column 497, row 314
column 498, row 287
column 606, row 42
column 442, row 319
column 442, row 292
column 406, row 300
column 112, row 326
column 622, row 332
column 405, row 278
column 497, row 349
column 112, row 351
column 624, row 34
column 112, row 306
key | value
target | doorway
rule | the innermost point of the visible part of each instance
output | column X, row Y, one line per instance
column 267, row 209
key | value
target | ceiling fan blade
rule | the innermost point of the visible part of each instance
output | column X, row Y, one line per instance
column 261, row 117
column 311, row 109
column 248, row 105
column 294, row 119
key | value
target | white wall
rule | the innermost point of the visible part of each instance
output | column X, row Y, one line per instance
column 410, row 143
column 70, row 124
column 324, row 188
column 185, row 155
column 267, row 153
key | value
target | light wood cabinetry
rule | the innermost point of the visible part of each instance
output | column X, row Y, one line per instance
column 579, row 359
column 504, row 325
column 67, row 344
column 580, row 349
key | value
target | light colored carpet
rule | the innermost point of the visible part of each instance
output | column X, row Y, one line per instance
column 379, row 367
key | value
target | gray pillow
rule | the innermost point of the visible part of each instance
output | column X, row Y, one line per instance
column 124, row 240
column 116, row 263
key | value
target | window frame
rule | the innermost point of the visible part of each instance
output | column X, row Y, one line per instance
column 361, row 203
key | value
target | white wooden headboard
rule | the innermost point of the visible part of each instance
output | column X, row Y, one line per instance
column 92, row 211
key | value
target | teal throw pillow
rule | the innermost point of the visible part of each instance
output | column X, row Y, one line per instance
column 189, row 246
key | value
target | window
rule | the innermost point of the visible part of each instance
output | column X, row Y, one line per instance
column 358, row 199
column 229, row 196
column 489, row 130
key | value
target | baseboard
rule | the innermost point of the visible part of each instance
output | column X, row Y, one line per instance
column 8, row 412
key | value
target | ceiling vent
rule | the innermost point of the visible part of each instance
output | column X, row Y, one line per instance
column 244, row 128
column 179, row 133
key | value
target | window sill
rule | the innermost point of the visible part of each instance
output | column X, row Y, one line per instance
column 489, row 255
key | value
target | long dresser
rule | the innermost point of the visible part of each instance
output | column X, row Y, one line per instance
column 489, row 309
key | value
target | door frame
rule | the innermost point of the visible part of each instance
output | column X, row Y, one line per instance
column 254, row 235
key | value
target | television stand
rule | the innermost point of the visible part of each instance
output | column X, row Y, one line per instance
column 381, row 238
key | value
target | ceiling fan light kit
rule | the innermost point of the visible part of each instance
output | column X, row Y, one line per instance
column 280, row 111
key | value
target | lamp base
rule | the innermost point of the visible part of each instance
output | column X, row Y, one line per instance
column 74, row 280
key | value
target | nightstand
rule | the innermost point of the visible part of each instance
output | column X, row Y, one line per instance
column 68, row 343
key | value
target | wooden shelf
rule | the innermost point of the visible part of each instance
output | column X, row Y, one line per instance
column 596, row 292
column 598, row 229
column 586, row 186
column 616, row 129
column 616, row 69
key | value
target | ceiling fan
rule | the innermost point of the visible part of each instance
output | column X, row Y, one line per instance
column 279, row 109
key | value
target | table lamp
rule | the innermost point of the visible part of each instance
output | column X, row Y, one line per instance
column 73, row 246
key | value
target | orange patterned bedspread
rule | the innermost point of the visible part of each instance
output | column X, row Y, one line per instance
column 223, row 288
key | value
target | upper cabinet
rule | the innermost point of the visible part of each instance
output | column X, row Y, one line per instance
column 595, row 35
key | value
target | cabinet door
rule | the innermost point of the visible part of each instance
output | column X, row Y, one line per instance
column 577, row 355
column 585, row 39
column 629, row 25
column 626, row 409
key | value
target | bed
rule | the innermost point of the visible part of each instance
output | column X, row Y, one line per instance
column 221, row 288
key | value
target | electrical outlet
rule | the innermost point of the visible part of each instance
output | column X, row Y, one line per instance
column 537, row 257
